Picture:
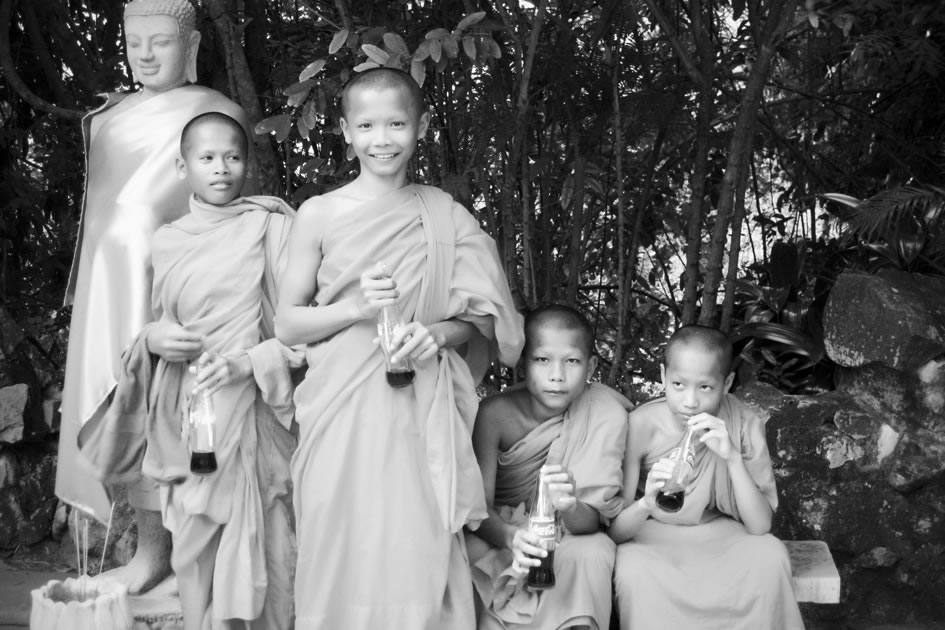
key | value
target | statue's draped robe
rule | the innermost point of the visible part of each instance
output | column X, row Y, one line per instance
column 386, row 478
column 214, row 273
column 589, row 440
column 132, row 188
column 699, row 567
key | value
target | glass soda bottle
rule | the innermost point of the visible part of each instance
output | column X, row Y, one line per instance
column 390, row 320
column 202, row 419
column 543, row 522
column 671, row 496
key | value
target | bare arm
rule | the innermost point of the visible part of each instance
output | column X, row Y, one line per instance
column 753, row 508
column 296, row 321
column 626, row 524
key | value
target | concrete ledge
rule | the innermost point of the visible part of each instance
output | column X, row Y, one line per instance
column 814, row 575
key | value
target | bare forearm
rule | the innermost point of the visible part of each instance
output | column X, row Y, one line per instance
column 308, row 324
column 495, row 531
column 451, row 332
column 753, row 507
column 626, row 525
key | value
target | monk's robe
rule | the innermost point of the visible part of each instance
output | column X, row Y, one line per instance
column 214, row 272
column 131, row 189
column 385, row 478
column 589, row 440
column 700, row 568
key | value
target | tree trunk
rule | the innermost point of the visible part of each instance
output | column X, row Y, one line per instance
column 740, row 148
column 243, row 91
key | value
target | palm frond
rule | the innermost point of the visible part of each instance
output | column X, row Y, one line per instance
column 881, row 214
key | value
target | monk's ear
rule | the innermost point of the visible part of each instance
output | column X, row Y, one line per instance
column 728, row 382
column 345, row 130
column 591, row 366
column 181, row 168
column 424, row 124
column 663, row 374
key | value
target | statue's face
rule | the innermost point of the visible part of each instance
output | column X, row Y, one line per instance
column 156, row 53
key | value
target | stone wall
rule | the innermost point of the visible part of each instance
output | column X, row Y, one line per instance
column 863, row 467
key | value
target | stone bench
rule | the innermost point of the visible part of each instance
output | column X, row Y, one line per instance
column 814, row 575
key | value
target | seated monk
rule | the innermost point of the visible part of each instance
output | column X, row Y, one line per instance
column 709, row 563
column 573, row 433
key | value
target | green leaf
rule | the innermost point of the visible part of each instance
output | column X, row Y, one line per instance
column 298, row 88
column 312, row 69
column 470, row 20
column 423, row 50
column 490, row 48
column 451, row 46
column 846, row 200
column 311, row 166
column 792, row 340
column 437, row 33
column 395, row 43
column 436, row 49
column 338, row 41
column 375, row 54
column 280, row 123
column 469, row 46
column 367, row 65
column 418, row 70
column 310, row 115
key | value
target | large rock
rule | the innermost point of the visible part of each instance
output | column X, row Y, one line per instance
column 863, row 478
column 891, row 317
column 13, row 401
column 27, row 498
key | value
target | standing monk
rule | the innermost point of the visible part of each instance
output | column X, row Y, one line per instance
column 131, row 144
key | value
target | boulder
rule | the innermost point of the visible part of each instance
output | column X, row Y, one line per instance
column 852, row 471
column 892, row 317
column 13, row 401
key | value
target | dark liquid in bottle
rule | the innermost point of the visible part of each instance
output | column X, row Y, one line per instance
column 671, row 502
column 543, row 576
column 203, row 463
column 400, row 379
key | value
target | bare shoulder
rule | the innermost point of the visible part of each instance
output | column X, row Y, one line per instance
column 500, row 415
column 644, row 422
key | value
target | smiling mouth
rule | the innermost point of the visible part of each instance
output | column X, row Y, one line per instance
column 384, row 156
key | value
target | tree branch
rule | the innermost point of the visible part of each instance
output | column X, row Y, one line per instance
column 13, row 77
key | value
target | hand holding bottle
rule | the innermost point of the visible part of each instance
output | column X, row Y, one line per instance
column 715, row 436
column 662, row 470
column 378, row 290
column 526, row 551
column 213, row 371
column 561, row 487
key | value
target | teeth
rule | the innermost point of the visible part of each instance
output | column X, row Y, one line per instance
column 383, row 156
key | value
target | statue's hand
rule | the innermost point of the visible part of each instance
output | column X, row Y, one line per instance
column 172, row 342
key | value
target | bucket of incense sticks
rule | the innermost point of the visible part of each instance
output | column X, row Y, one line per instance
column 81, row 603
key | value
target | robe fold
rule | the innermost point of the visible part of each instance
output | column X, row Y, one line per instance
column 699, row 567
column 213, row 272
column 589, row 440
column 386, row 478
column 131, row 189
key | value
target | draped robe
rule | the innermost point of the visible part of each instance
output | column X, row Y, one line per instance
column 131, row 189
column 589, row 440
column 386, row 478
column 699, row 567
column 214, row 273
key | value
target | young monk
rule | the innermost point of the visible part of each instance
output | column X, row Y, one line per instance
column 713, row 563
column 386, row 478
column 214, row 276
column 575, row 432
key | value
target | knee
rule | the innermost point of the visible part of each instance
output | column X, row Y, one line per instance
column 593, row 551
column 766, row 555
